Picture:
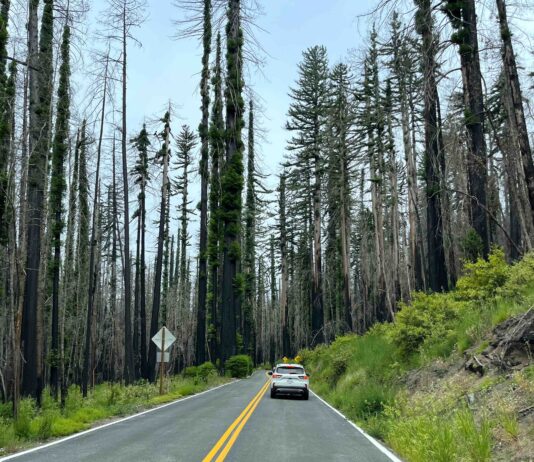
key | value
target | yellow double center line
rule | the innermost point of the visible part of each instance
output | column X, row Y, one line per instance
column 233, row 431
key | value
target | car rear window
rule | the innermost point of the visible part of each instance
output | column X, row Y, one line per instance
column 290, row 370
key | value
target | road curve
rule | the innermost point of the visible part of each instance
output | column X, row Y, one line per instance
column 281, row 429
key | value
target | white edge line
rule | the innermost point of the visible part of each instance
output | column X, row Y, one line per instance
column 379, row 446
column 109, row 424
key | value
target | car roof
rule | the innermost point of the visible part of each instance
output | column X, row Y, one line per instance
column 290, row 365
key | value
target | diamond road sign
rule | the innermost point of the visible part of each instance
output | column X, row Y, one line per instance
column 167, row 340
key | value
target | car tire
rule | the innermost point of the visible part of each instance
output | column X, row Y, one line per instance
column 306, row 395
column 273, row 394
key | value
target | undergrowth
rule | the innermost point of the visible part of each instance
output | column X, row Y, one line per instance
column 363, row 376
column 104, row 401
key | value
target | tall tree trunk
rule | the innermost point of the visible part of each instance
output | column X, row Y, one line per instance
column 317, row 334
column 93, row 274
column 516, row 112
column 6, row 127
column 284, row 302
column 128, row 345
column 464, row 21
column 249, row 245
column 232, row 181
column 156, row 297
column 216, row 135
column 200, row 353
column 40, row 88
column 57, row 190
column 437, row 273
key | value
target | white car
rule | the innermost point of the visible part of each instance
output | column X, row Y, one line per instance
column 289, row 379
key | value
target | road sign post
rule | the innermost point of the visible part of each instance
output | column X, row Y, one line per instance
column 163, row 340
column 162, row 363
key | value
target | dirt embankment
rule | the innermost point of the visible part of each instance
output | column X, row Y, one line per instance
column 495, row 380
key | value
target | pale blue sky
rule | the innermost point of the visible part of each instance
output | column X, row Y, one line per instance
column 165, row 68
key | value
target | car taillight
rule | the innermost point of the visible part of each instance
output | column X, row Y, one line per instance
column 276, row 376
column 305, row 377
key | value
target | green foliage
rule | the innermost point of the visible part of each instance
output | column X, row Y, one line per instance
column 476, row 438
column 520, row 278
column 207, row 370
column 426, row 317
column 104, row 401
column 239, row 366
column 22, row 425
column 509, row 422
column 202, row 372
column 472, row 245
column 369, row 399
column 190, row 372
column 360, row 374
column 421, row 434
column 483, row 278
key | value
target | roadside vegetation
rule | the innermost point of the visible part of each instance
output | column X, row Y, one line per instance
column 405, row 382
column 104, row 401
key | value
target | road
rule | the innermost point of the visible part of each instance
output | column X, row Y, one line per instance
column 237, row 422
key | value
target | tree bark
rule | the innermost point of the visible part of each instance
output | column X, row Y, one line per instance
column 437, row 274
column 156, row 297
column 516, row 112
column 129, row 375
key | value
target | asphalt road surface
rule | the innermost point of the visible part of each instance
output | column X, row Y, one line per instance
column 237, row 422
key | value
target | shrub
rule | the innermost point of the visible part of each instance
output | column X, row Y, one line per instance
column 206, row 370
column 520, row 277
column 7, row 435
column 367, row 400
column 472, row 245
column 6, row 410
column 22, row 424
column 239, row 366
column 426, row 317
column 41, row 426
column 190, row 372
column 482, row 279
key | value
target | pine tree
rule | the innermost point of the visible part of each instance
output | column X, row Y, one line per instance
column 462, row 16
column 404, row 64
column 307, row 117
column 283, row 238
column 216, row 135
column 341, row 145
column 69, row 279
column 40, row 85
column 232, row 181
column 203, row 130
column 514, row 99
column 83, row 257
column 434, row 156
column 186, row 142
column 163, row 157
column 6, row 128
column 141, row 176
column 249, row 244
column 58, row 187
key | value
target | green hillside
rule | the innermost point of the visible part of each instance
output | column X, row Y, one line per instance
column 409, row 384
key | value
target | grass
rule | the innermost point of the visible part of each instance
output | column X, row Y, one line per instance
column 104, row 401
column 367, row 377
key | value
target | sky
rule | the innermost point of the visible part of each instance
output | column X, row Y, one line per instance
column 166, row 68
